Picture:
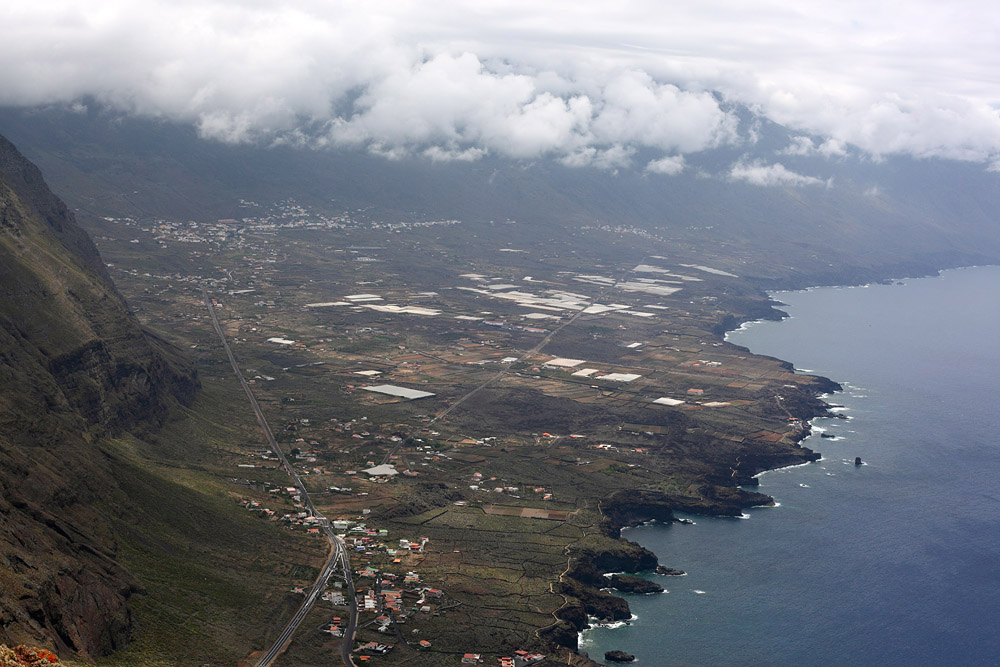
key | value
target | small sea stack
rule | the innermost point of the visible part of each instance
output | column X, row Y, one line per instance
column 619, row 656
column 669, row 571
column 858, row 461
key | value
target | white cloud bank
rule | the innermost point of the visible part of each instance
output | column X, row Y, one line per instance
column 584, row 82
column 759, row 173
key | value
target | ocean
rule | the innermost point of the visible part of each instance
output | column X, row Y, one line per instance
column 896, row 562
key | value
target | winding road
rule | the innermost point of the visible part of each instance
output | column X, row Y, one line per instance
column 338, row 550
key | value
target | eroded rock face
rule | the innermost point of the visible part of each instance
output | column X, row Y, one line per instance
column 62, row 319
column 62, row 584
column 619, row 556
column 75, row 366
column 582, row 583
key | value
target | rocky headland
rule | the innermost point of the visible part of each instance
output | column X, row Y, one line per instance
column 638, row 585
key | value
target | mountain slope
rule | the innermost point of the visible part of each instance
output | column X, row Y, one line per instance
column 74, row 366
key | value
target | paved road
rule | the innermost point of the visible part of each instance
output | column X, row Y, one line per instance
column 338, row 551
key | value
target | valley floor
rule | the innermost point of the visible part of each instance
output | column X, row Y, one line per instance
column 564, row 391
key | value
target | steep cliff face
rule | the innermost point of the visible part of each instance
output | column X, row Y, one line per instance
column 75, row 366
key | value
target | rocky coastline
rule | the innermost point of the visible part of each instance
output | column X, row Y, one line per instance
column 582, row 582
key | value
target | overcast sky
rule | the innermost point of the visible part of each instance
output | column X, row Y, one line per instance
column 580, row 81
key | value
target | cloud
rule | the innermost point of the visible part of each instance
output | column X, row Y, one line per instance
column 580, row 81
column 639, row 111
column 438, row 154
column 806, row 146
column 610, row 158
column 459, row 101
column 669, row 165
column 767, row 175
column 931, row 125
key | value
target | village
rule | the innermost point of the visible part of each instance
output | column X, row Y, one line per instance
column 388, row 599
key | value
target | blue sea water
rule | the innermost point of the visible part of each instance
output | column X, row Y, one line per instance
column 896, row 562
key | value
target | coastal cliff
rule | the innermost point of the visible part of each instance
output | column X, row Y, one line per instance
column 581, row 585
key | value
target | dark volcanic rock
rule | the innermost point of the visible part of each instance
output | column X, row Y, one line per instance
column 669, row 571
column 598, row 604
column 563, row 633
column 635, row 506
column 590, row 564
column 582, row 581
column 714, row 500
column 639, row 585
column 618, row 656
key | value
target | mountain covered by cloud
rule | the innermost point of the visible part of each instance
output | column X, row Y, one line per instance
column 584, row 83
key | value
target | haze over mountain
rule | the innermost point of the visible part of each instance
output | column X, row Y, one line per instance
column 855, row 219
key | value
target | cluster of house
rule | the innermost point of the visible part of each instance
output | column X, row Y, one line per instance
column 514, row 327
column 364, row 539
column 477, row 478
column 344, row 426
column 375, row 648
column 393, row 597
column 333, row 627
column 255, row 506
column 302, row 520
column 612, row 448
column 477, row 485
column 546, row 495
column 286, row 214
column 519, row 659
column 295, row 520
